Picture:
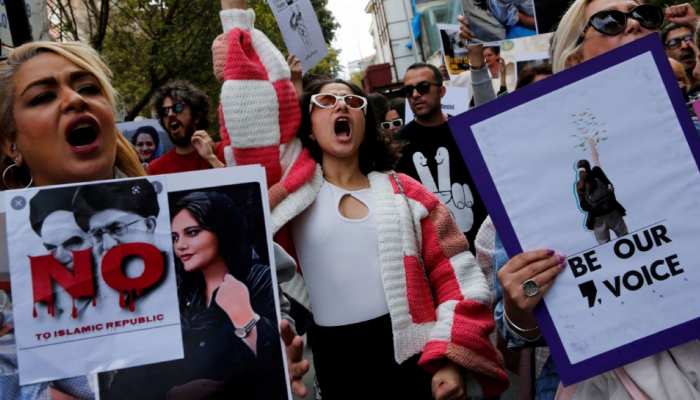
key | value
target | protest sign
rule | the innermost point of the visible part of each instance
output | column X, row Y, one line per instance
column 600, row 163
column 92, row 273
column 230, row 330
column 455, row 101
column 301, row 31
column 454, row 51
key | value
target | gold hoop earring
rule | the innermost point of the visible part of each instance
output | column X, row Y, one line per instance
column 8, row 168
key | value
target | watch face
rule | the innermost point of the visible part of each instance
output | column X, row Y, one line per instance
column 247, row 328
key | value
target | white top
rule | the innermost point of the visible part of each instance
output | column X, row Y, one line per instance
column 339, row 259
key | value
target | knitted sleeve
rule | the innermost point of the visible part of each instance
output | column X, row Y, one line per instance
column 459, row 287
column 259, row 107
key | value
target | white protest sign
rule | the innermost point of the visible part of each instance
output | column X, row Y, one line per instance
column 92, row 274
column 455, row 102
column 609, row 178
column 300, row 30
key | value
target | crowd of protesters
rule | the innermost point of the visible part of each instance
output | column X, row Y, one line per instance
column 402, row 279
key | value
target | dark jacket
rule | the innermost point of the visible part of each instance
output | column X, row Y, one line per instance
column 590, row 188
column 217, row 364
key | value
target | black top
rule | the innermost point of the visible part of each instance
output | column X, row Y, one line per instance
column 593, row 202
column 217, row 364
column 425, row 157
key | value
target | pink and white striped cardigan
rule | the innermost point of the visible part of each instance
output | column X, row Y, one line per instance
column 441, row 310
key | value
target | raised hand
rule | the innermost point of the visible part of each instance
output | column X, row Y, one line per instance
column 464, row 32
column 228, row 4
column 296, row 73
column 682, row 14
column 204, row 145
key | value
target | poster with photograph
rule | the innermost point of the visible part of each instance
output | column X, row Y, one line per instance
column 301, row 31
column 92, row 273
column 454, row 50
column 227, row 293
column 599, row 163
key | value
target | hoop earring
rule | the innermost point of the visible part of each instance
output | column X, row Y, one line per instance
column 9, row 167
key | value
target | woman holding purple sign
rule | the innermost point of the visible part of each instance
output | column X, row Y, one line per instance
column 589, row 28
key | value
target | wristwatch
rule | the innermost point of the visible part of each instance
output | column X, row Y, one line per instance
column 244, row 331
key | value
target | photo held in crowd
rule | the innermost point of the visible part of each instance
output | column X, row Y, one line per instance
column 236, row 199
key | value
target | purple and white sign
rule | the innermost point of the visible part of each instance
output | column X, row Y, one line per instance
column 600, row 163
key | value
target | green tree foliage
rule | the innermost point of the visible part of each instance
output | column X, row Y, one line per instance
column 150, row 42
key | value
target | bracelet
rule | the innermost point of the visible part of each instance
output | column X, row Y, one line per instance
column 517, row 328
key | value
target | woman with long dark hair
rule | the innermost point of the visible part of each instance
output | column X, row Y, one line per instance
column 393, row 290
column 227, row 309
column 226, row 300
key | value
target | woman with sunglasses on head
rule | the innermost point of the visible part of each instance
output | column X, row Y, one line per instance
column 589, row 28
column 395, row 295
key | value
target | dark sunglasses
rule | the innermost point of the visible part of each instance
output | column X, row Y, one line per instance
column 396, row 123
column 676, row 42
column 422, row 88
column 614, row 22
column 176, row 108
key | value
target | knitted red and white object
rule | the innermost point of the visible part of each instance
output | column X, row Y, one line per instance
column 258, row 99
column 441, row 307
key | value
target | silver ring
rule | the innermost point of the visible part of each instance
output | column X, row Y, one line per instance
column 531, row 288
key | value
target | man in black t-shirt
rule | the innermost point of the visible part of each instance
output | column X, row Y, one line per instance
column 431, row 154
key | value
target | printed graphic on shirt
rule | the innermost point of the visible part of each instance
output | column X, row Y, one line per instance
column 456, row 196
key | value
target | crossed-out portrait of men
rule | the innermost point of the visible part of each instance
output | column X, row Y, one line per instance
column 101, row 217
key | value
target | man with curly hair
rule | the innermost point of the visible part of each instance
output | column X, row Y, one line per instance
column 183, row 110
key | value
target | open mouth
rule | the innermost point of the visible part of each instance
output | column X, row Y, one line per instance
column 83, row 132
column 342, row 127
column 175, row 125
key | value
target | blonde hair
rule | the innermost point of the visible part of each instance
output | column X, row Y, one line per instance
column 84, row 57
column 566, row 49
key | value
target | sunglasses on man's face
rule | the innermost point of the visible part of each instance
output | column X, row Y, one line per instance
column 677, row 42
column 396, row 123
column 614, row 22
column 421, row 87
column 176, row 108
column 329, row 100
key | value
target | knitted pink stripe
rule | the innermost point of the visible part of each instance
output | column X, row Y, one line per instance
column 276, row 194
column 268, row 157
column 420, row 299
column 451, row 239
column 218, row 55
column 442, row 274
column 302, row 172
column 289, row 111
column 242, row 61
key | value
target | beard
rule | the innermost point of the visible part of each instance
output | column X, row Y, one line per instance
column 183, row 139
